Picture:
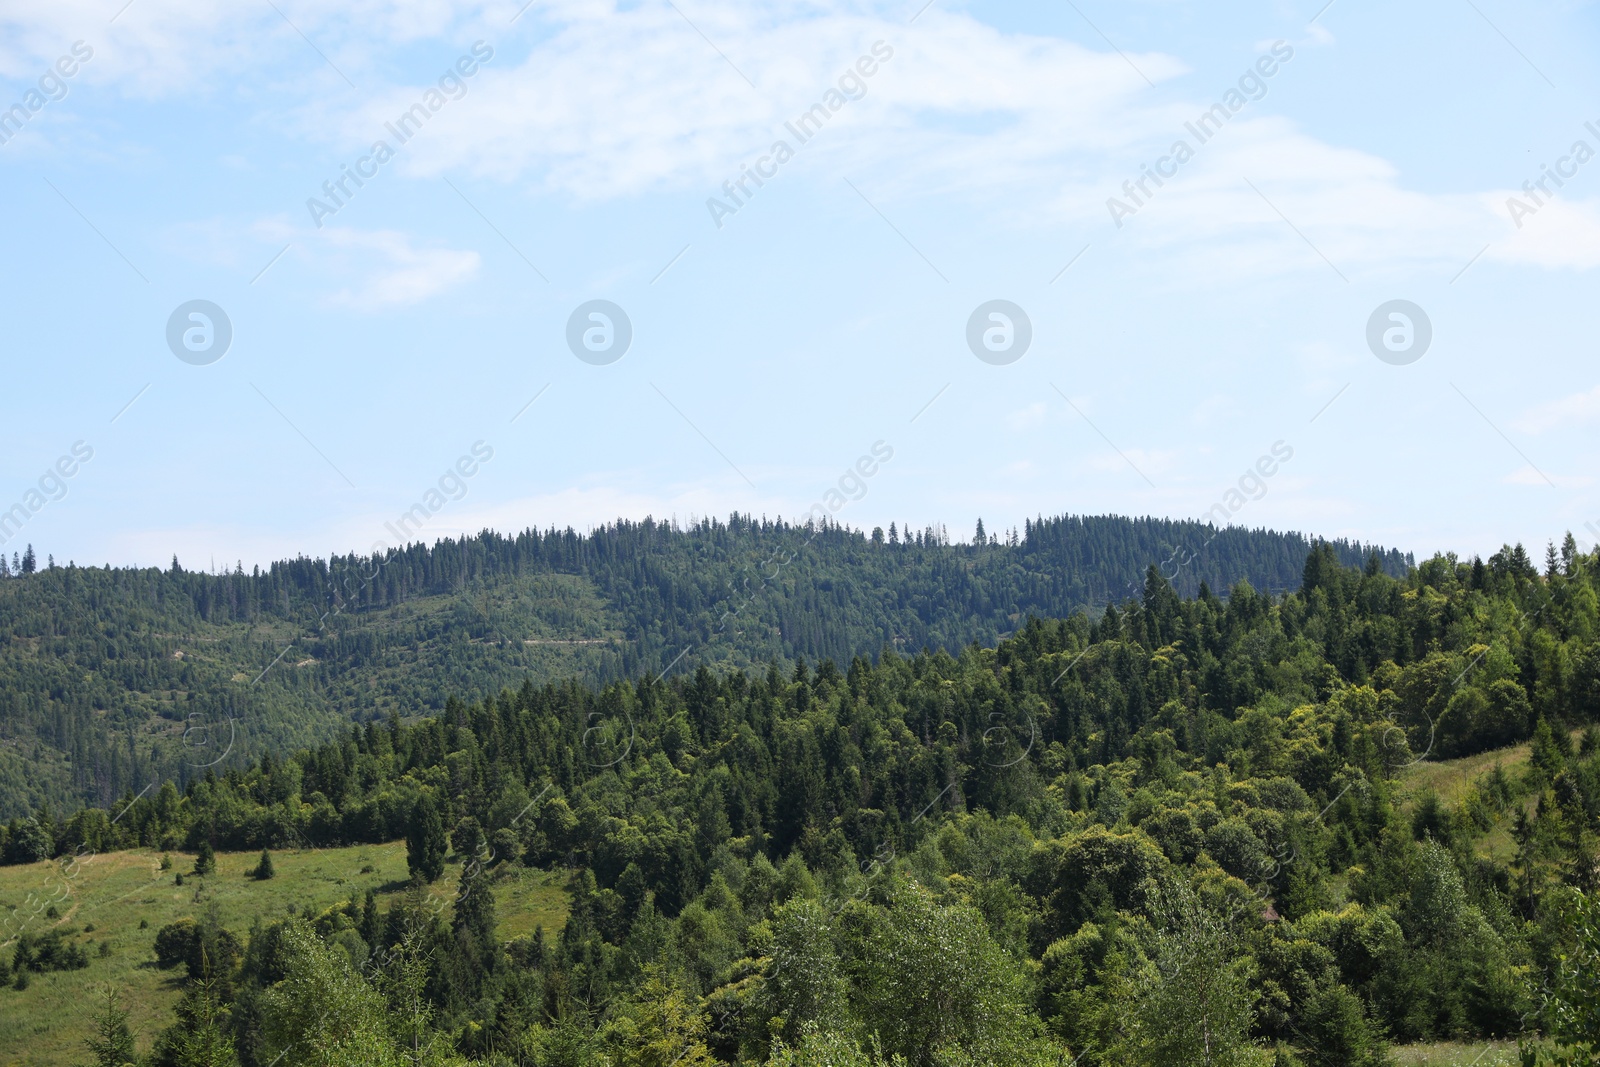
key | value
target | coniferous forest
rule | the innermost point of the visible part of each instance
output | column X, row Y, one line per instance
column 111, row 679
column 1179, row 828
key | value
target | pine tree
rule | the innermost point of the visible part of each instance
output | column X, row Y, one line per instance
column 667, row 1029
column 264, row 869
column 980, row 538
column 200, row 1037
column 206, row 861
column 29, row 561
column 113, row 1044
column 371, row 921
column 425, row 841
column 474, row 916
column 1550, row 751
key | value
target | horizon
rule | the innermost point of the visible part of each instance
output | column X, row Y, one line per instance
column 694, row 524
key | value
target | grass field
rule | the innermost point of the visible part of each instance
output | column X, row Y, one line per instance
column 45, row 1024
column 1449, row 1054
column 1453, row 779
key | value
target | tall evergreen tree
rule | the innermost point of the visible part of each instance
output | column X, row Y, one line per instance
column 112, row 1045
column 425, row 841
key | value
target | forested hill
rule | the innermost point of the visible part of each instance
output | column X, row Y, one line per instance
column 113, row 678
column 1274, row 830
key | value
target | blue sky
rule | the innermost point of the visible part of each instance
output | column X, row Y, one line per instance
column 373, row 345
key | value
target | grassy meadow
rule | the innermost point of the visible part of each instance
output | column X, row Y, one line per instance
column 121, row 899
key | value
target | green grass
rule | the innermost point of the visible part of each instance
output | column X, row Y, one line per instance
column 1450, row 1054
column 1452, row 779
column 45, row 1024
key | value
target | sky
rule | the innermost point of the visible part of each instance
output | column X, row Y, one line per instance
column 1300, row 265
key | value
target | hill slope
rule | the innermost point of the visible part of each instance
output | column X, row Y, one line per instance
column 121, row 900
column 113, row 678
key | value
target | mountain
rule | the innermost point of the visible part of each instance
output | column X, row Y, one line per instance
column 1281, row 829
column 117, row 677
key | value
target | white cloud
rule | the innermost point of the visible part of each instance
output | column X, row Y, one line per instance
column 1563, row 233
column 612, row 102
column 405, row 274
column 1528, row 475
column 1579, row 407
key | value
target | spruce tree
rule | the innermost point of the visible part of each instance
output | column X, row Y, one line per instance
column 264, row 869
column 206, row 861
column 371, row 921
column 112, row 1045
column 200, row 1038
column 425, row 841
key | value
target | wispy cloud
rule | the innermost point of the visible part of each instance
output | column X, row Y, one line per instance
column 1579, row 407
column 394, row 271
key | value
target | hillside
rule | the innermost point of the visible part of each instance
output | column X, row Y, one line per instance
column 111, row 679
column 121, row 900
column 1362, row 814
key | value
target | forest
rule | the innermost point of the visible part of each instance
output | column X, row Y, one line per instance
column 1166, row 832
column 111, row 678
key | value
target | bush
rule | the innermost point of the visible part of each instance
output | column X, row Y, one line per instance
column 174, row 943
column 52, row 952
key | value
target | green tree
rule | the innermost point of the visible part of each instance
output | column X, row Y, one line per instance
column 205, row 862
column 1194, row 1002
column 805, row 989
column 200, row 1037
column 1336, row 1031
column 815, row 1048
column 112, row 1045
column 263, row 869
column 1573, row 1004
column 425, row 841
column 322, row 1013
column 661, row 1028
column 932, row 982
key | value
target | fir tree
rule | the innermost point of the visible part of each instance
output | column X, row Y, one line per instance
column 263, row 869
column 112, row 1045
column 200, row 1037
column 425, row 841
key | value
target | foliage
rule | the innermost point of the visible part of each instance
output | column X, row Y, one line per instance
column 1180, row 831
column 112, row 679
column 112, row 1045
